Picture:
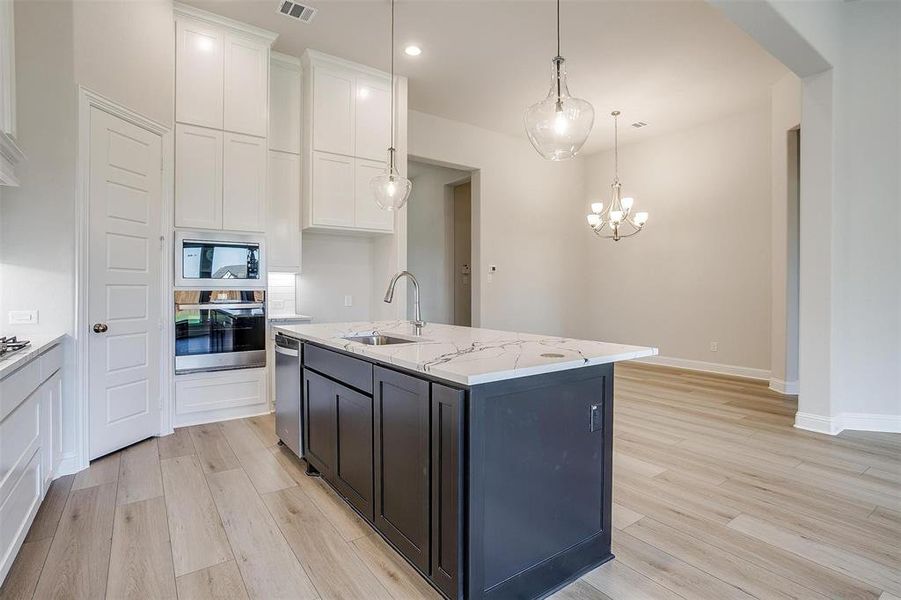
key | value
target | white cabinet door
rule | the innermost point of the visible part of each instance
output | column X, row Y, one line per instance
column 7, row 70
column 333, row 111
column 244, row 183
column 283, row 225
column 367, row 214
column 198, row 73
column 284, row 107
column 198, row 177
column 246, row 86
column 372, row 118
column 333, row 190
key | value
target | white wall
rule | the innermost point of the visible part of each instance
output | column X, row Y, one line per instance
column 700, row 271
column 849, row 59
column 430, row 239
column 126, row 52
column 528, row 222
column 335, row 266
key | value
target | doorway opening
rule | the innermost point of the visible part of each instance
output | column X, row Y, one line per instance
column 793, row 260
column 439, row 242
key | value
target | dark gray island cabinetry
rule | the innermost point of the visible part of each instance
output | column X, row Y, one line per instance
column 495, row 489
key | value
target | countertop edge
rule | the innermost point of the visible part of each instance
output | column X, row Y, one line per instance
column 473, row 380
column 14, row 362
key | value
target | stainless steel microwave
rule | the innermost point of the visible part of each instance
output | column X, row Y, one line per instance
column 213, row 260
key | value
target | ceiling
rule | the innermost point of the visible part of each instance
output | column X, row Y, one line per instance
column 672, row 64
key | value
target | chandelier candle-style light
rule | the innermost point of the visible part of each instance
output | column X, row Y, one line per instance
column 618, row 221
column 559, row 125
column 391, row 189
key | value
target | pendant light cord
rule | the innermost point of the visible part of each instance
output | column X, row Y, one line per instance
column 558, row 27
column 615, row 147
column 392, row 82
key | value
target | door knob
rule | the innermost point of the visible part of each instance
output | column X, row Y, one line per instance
column 100, row 327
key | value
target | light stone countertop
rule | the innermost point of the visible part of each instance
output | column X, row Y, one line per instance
column 39, row 344
column 467, row 355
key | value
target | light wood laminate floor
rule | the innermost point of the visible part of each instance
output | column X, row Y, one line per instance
column 715, row 496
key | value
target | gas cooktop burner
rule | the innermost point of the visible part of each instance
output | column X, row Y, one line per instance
column 11, row 344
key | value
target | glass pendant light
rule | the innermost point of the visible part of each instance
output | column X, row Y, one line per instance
column 391, row 189
column 559, row 125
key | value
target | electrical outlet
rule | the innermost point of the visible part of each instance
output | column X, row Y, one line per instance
column 714, row 346
column 348, row 300
column 23, row 317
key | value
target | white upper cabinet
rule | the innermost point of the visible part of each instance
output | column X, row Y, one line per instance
column 222, row 121
column 198, row 177
column 333, row 190
column 244, row 182
column 283, row 227
column 372, row 118
column 367, row 214
column 10, row 155
column 246, row 86
column 333, row 110
column 199, row 70
column 345, row 136
column 284, row 103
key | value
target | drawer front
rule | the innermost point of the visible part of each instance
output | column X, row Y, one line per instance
column 51, row 361
column 18, row 386
column 349, row 371
column 19, row 438
column 18, row 507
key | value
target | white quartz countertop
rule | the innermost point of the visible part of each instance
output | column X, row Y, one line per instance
column 467, row 355
column 39, row 344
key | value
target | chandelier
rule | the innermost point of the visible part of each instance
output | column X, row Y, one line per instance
column 618, row 221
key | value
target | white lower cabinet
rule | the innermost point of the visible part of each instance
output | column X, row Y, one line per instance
column 217, row 396
column 244, row 183
column 333, row 190
column 29, row 413
column 283, row 225
column 198, row 177
column 367, row 214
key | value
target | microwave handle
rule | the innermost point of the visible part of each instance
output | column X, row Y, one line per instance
column 213, row 305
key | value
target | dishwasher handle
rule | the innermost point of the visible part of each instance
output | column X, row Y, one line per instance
column 286, row 351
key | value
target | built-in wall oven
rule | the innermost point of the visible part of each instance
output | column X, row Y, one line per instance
column 217, row 330
column 212, row 260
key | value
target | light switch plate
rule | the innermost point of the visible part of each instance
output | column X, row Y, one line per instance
column 23, row 317
column 348, row 300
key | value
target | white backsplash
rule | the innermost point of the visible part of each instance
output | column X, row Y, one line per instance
column 282, row 292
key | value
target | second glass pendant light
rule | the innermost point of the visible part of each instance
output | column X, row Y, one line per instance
column 559, row 125
column 391, row 190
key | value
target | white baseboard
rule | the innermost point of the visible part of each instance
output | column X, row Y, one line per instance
column 784, row 387
column 707, row 367
column 67, row 465
column 856, row 421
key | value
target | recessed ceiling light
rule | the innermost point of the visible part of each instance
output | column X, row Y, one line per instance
column 413, row 50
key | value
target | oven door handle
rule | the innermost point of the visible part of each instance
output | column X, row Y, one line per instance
column 211, row 306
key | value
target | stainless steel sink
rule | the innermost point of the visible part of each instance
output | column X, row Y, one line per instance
column 378, row 340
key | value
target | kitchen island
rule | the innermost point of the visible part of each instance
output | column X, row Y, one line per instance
column 483, row 457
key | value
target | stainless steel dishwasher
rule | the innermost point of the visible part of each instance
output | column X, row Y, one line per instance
column 287, row 392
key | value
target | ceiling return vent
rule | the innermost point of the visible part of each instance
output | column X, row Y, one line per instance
column 639, row 124
column 298, row 11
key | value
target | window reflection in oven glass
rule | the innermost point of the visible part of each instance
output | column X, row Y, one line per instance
column 215, row 330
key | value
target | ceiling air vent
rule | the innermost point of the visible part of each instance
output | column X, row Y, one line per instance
column 639, row 124
column 297, row 11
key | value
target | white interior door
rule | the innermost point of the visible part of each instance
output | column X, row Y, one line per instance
column 124, row 283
